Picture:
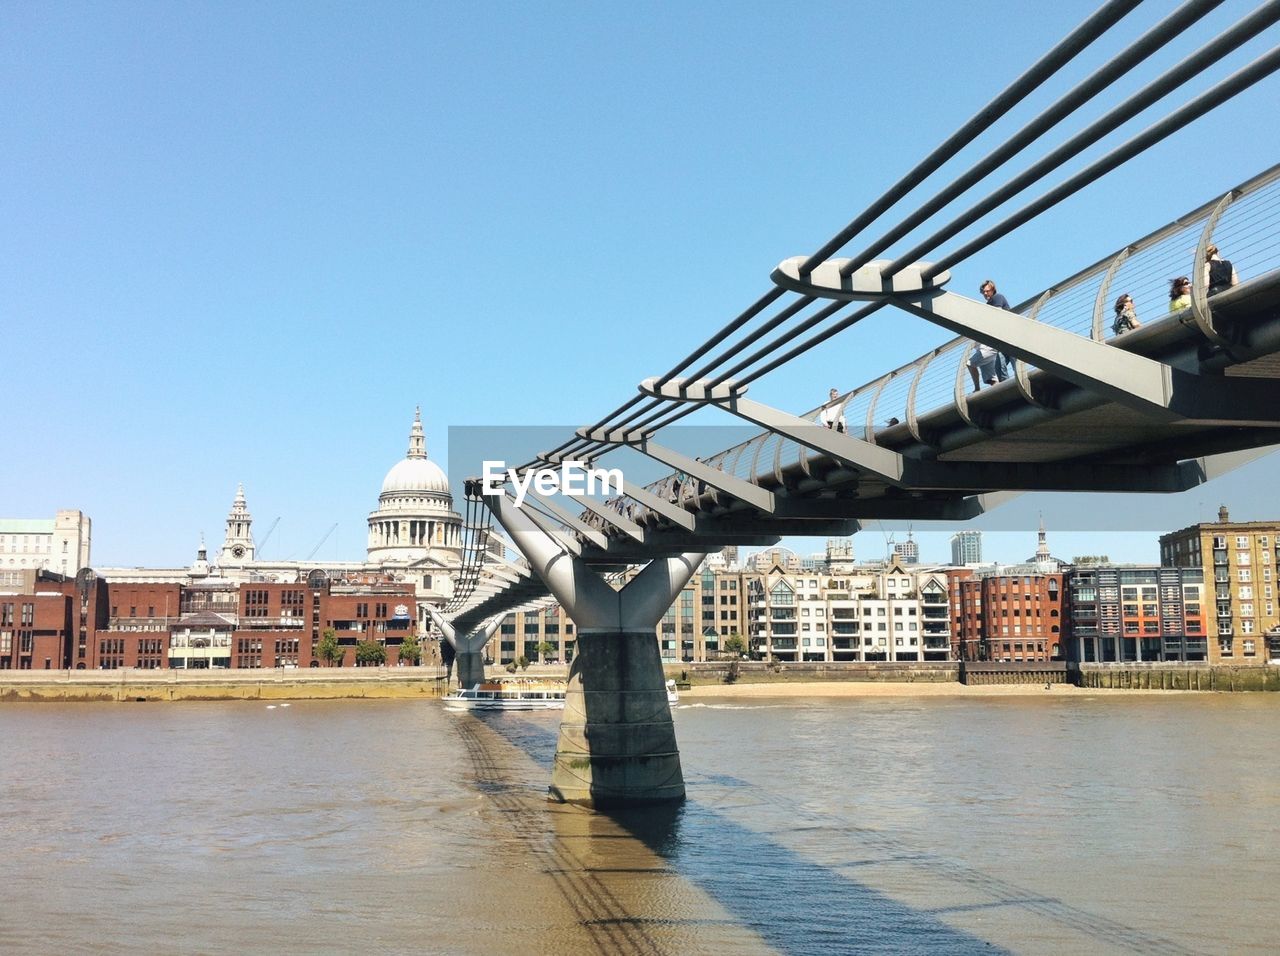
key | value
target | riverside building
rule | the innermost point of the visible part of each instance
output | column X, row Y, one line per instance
column 90, row 623
column 1137, row 613
column 414, row 538
column 1238, row 561
column 1007, row 617
column 59, row 544
column 238, row 609
column 777, row 608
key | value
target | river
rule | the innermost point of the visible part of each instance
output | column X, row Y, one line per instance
column 1082, row 824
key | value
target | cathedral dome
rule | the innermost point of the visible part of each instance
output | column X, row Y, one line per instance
column 415, row 474
column 415, row 521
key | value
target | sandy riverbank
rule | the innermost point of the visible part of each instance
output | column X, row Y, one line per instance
column 898, row 689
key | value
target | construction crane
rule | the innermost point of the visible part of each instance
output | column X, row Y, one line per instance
column 332, row 528
column 267, row 535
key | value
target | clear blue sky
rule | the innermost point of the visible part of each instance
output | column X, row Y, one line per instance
column 243, row 241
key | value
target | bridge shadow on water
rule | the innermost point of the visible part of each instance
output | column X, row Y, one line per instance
column 799, row 905
column 794, row 904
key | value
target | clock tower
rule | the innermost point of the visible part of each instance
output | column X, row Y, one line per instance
column 237, row 547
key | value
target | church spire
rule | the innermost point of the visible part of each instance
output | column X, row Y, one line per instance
column 417, row 441
column 237, row 546
column 1042, row 550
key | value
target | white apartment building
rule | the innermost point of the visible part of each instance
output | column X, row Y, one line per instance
column 849, row 613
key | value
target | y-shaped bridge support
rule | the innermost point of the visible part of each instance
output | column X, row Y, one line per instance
column 617, row 743
column 469, row 648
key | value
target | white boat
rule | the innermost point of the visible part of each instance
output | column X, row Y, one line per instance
column 508, row 695
column 673, row 695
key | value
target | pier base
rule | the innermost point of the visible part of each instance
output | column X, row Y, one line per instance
column 470, row 668
column 617, row 742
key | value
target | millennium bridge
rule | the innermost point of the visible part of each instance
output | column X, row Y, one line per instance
column 1193, row 392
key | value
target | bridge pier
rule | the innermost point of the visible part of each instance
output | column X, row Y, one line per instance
column 617, row 743
column 469, row 649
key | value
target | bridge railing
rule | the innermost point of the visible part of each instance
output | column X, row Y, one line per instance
column 1245, row 225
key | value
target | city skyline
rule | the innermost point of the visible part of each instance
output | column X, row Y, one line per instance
column 256, row 268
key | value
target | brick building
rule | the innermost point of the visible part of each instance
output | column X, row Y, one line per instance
column 50, row 621
column 1239, row 560
column 1007, row 617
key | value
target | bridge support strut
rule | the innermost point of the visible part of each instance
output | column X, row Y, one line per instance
column 468, row 648
column 617, row 744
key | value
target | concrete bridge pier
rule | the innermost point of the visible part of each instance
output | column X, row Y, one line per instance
column 617, row 744
column 469, row 649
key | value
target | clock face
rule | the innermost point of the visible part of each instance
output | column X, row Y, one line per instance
column 238, row 551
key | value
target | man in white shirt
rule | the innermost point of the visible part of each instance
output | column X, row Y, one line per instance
column 832, row 414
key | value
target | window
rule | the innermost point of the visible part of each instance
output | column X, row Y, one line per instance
column 1249, row 649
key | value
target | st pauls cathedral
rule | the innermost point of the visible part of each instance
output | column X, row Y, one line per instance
column 415, row 537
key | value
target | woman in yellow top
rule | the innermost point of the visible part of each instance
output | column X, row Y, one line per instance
column 1179, row 294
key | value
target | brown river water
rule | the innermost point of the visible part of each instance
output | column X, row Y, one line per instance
column 1107, row 824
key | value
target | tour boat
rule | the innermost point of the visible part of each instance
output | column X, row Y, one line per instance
column 508, row 695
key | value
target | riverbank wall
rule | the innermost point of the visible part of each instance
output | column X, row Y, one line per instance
column 763, row 672
column 426, row 682
column 128, row 684
column 1130, row 676
column 1177, row 676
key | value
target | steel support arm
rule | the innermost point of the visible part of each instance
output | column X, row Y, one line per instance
column 672, row 512
column 572, row 521
column 1129, row 379
column 753, row 495
column 605, row 513
column 555, row 534
column 926, row 474
column 573, row 584
column 477, row 639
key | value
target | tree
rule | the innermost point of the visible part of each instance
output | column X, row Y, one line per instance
column 410, row 652
column 328, row 650
column 734, row 644
column 370, row 653
column 545, row 649
column 522, row 662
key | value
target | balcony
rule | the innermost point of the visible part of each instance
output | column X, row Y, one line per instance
column 271, row 623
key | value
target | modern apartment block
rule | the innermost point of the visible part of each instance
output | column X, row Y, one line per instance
column 849, row 613
column 1238, row 559
column 1137, row 614
column 781, row 608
